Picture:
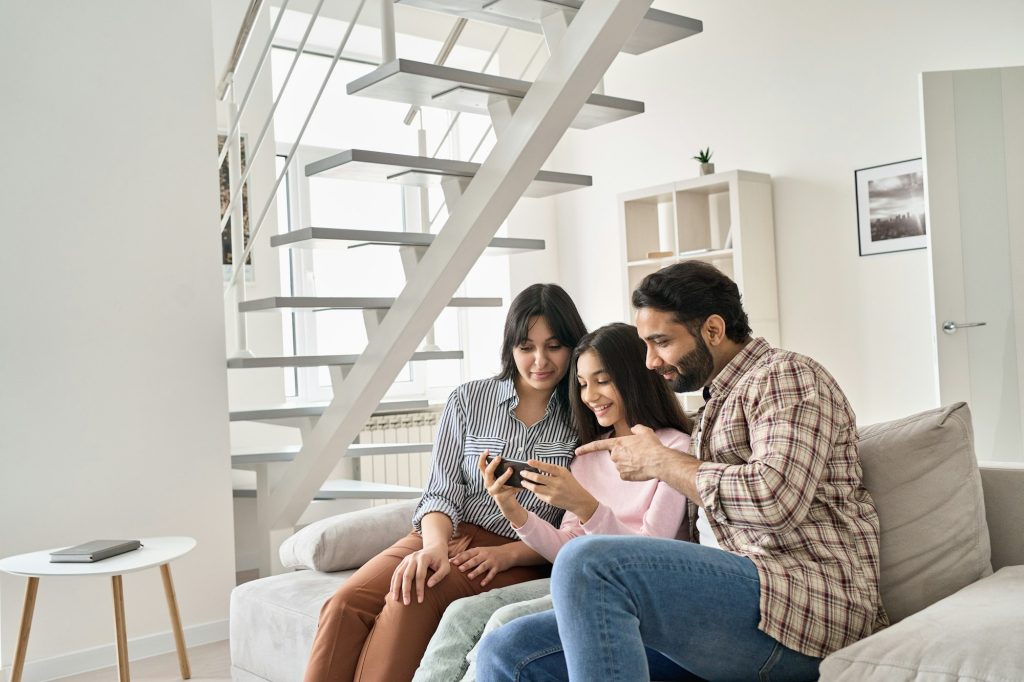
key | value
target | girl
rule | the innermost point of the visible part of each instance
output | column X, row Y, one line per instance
column 611, row 391
column 377, row 625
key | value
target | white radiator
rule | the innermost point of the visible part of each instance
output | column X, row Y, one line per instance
column 409, row 469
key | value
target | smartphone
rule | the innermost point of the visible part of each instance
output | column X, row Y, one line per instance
column 515, row 480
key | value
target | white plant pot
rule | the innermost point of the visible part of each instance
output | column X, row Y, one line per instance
column 707, row 168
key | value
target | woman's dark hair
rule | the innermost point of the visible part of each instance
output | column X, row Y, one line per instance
column 694, row 291
column 552, row 303
column 646, row 396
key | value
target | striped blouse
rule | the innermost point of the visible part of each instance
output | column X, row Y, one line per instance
column 480, row 415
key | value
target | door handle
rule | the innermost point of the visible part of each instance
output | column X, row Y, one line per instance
column 951, row 327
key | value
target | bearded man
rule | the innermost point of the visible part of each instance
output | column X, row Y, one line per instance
column 782, row 564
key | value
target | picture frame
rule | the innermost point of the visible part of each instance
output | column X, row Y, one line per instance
column 891, row 208
column 225, row 198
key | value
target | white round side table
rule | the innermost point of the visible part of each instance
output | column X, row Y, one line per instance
column 154, row 552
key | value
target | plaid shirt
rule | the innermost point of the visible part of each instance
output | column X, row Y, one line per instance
column 781, row 484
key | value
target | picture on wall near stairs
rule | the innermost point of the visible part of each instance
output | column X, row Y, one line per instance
column 225, row 199
column 890, row 207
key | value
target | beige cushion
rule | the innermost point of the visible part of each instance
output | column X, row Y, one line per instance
column 923, row 475
column 976, row 634
column 348, row 540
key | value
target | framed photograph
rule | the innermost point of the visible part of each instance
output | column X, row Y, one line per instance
column 890, row 207
column 225, row 198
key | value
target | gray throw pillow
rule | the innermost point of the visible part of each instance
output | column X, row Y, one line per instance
column 923, row 475
column 348, row 540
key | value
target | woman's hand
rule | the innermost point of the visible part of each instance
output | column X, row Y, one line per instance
column 413, row 571
column 485, row 561
column 503, row 495
column 559, row 488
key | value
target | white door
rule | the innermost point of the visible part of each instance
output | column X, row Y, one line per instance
column 974, row 175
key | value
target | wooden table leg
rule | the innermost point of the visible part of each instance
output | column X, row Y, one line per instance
column 122, row 638
column 26, row 626
column 179, row 636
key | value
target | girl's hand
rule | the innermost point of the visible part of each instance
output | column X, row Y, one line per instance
column 413, row 571
column 485, row 561
column 559, row 488
column 504, row 495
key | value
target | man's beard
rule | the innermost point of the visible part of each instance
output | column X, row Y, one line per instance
column 693, row 369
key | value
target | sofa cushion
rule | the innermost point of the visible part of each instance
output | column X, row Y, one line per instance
column 976, row 634
column 923, row 475
column 273, row 621
column 348, row 540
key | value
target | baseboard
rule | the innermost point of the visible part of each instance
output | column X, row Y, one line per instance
column 105, row 656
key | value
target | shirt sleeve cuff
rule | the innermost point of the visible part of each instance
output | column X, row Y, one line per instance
column 598, row 523
column 529, row 527
column 435, row 505
column 709, row 478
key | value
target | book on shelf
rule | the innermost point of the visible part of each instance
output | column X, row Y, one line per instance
column 94, row 550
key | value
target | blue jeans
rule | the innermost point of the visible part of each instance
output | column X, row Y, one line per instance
column 637, row 608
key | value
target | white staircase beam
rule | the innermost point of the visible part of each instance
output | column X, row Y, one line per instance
column 327, row 237
column 444, row 87
column 425, row 171
column 298, row 303
column 564, row 84
column 657, row 28
column 325, row 360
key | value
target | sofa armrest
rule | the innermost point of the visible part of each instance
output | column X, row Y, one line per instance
column 348, row 540
column 1003, row 483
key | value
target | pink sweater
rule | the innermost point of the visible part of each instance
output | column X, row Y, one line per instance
column 624, row 507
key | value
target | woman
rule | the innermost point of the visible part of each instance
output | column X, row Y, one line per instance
column 611, row 391
column 377, row 625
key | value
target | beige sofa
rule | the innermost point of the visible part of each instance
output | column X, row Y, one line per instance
column 947, row 524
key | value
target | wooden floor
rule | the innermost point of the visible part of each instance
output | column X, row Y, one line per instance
column 209, row 663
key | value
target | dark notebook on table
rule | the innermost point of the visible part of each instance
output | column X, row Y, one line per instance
column 94, row 550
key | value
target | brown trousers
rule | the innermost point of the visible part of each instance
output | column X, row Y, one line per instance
column 365, row 635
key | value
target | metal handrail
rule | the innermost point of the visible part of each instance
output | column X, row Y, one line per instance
column 455, row 118
column 236, row 267
column 241, row 42
column 490, row 127
column 442, row 57
column 237, row 191
column 229, row 79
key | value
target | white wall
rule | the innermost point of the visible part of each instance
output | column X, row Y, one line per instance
column 113, row 395
column 806, row 91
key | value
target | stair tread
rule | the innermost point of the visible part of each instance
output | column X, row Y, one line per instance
column 295, row 303
column 656, row 29
column 423, row 171
column 342, row 488
column 287, row 454
column 317, row 409
column 424, row 84
column 327, row 360
column 317, row 237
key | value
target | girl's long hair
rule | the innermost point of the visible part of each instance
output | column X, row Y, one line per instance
column 551, row 302
column 646, row 397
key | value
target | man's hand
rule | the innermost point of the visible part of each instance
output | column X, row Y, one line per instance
column 483, row 561
column 559, row 488
column 642, row 456
column 413, row 571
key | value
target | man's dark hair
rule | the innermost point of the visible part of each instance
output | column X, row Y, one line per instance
column 694, row 291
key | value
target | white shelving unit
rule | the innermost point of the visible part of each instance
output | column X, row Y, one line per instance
column 724, row 219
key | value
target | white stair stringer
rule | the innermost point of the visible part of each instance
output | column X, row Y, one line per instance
column 568, row 79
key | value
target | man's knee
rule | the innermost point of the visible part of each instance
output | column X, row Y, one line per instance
column 584, row 558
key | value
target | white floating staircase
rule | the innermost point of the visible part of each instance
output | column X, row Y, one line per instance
column 528, row 120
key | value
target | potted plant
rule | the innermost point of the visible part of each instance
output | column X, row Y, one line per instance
column 704, row 157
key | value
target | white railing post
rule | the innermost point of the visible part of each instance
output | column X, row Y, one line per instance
column 388, row 52
column 237, row 226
